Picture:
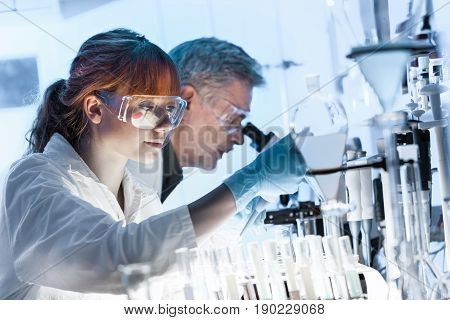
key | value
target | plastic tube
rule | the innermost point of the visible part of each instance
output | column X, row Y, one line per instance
column 322, row 283
column 243, row 272
column 199, row 281
column 391, row 267
column 334, row 266
column 184, row 267
column 262, row 284
column 291, row 274
column 351, row 276
column 276, row 282
column 231, row 287
column 216, row 291
column 367, row 209
column 228, row 270
column 303, row 262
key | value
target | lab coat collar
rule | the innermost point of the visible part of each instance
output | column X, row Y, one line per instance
column 140, row 200
column 60, row 150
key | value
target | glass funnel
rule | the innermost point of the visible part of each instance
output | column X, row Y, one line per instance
column 321, row 122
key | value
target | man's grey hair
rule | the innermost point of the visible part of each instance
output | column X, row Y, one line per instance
column 212, row 63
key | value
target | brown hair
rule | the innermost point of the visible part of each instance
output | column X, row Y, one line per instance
column 110, row 60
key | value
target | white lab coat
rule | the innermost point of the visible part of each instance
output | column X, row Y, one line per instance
column 149, row 174
column 63, row 234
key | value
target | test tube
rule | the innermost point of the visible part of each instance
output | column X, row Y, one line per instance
column 322, row 283
column 210, row 268
column 229, row 271
column 291, row 273
column 199, row 281
column 348, row 264
column 303, row 262
column 244, row 274
column 261, row 278
column 135, row 279
column 334, row 266
column 184, row 268
column 276, row 282
column 231, row 287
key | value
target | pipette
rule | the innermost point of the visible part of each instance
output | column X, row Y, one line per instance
column 258, row 205
column 367, row 212
column 353, row 182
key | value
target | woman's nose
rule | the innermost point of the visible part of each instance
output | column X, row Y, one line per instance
column 164, row 125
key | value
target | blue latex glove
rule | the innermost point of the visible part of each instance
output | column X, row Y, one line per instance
column 257, row 204
column 277, row 170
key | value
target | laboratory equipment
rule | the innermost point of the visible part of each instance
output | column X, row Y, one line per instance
column 312, row 267
column 368, row 212
column 276, row 282
column 303, row 262
column 259, row 140
column 326, row 122
column 290, row 270
column 354, row 217
column 334, row 267
column 383, row 66
column 136, row 280
column 388, row 205
column 260, row 272
column 348, row 264
column 434, row 91
column 324, row 119
column 322, row 284
column 183, row 262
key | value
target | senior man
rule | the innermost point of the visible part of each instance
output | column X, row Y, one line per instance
column 217, row 79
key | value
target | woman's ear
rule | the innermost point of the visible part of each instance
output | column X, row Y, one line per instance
column 92, row 108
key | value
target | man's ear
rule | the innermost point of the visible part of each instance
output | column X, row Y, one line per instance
column 188, row 92
column 92, row 108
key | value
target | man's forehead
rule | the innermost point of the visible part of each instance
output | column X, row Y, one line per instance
column 239, row 94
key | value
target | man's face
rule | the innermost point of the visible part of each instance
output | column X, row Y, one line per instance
column 212, row 124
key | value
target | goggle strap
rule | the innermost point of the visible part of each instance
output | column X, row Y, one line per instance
column 122, row 116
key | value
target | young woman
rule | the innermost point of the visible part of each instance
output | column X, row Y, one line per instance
column 70, row 212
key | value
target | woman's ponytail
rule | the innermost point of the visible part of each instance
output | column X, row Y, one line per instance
column 54, row 116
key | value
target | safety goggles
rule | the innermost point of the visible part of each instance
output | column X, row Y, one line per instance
column 228, row 115
column 145, row 111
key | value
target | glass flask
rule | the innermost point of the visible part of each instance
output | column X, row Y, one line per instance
column 320, row 124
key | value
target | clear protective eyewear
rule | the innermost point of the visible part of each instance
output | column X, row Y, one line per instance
column 145, row 111
column 229, row 116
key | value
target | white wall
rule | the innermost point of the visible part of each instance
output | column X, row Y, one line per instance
column 269, row 30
